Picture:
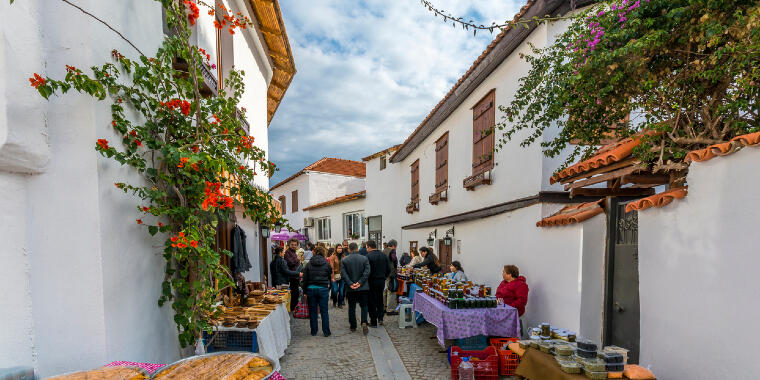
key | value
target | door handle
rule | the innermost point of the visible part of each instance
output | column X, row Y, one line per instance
column 619, row 308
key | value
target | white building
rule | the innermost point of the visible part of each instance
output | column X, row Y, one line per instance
column 315, row 191
column 80, row 278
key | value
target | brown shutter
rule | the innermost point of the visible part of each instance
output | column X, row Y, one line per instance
column 282, row 203
column 483, row 138
column 416, row 180
column 294, row 201
column 442, row 163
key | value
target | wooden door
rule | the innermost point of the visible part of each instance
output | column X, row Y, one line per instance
column 444, row 256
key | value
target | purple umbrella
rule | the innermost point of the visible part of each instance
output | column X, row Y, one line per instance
column 285, row 235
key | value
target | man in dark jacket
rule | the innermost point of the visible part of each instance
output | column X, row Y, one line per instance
column 317, row 276
column 291, row 257
column 354, row 270
column 380, row 268
column 391, row 299
column 280, row 273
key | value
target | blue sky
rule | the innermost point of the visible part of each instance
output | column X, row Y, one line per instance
column 369, row 72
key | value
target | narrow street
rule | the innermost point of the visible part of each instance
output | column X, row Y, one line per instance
column 387, row 352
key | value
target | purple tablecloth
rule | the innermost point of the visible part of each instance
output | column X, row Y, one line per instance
column 462, row 323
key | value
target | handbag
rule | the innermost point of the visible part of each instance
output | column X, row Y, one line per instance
column 393, row 284
column 302, row 309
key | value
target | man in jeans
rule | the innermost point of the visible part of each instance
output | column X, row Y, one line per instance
column 380, row 268
column 316, row 284
column 354, row 270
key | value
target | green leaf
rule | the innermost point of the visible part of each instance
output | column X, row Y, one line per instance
column 152, row 230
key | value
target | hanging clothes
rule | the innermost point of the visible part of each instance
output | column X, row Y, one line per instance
column 240, row 262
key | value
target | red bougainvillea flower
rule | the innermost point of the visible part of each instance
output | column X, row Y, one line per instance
column 182, row 162
column 133, row 133
column 113, row 122
column 194, row 148
column 116, row 55
column 139, row 221
column 183, row 105
column 72, row 69
column 174, row 239
column 210, row 12
column 194, row 244
column 146, row 208
column 195, row 167
column 160, row 224
column 103, row 144
column 138, row 142
column 192, row 12
column 241, row 167
column 215, row 197
column 37, row 81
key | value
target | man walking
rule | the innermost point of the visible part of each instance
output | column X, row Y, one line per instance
column 391, row 300
column 294, row 264
column 380, row 268
column 354, row 270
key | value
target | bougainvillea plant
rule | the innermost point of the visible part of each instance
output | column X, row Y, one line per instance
column 688, row 69
column 197, row 162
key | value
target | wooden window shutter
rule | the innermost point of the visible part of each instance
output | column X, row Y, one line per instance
column 282, row 203
column 416, row 180
column 294, row 201
column 442, row 163
column 483, row 137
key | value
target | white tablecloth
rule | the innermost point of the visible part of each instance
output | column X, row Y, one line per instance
column 272, row 334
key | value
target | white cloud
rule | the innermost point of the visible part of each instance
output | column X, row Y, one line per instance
column 369, row 72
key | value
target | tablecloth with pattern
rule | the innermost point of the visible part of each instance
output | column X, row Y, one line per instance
column 463, row 323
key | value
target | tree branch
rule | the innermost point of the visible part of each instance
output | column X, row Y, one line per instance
column 104, row 23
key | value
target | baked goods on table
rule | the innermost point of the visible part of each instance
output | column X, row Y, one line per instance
column 106, row 373
column 227, row 366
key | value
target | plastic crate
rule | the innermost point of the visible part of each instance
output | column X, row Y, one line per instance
column 473, row 343
column 486, row 367
column 508, row 360
column 231, row 341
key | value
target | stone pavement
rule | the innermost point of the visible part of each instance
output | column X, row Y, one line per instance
column 346, row 355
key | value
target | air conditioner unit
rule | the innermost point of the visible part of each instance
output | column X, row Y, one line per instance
column 308, row 222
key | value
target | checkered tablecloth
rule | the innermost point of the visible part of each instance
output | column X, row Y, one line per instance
column 153, row 367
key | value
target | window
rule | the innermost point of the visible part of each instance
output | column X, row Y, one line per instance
column 294, row 201
column 383, row 162
column 483, row 116
column 323, row 229
column 442, row 163
column 416, row 181
column 353, row 225
column 413, row 246
column 282, row 203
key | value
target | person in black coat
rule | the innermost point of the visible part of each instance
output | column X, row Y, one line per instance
column 429, row 260
column 354, row 271
column 380, row 268
column 317, row 276
column 280, row 273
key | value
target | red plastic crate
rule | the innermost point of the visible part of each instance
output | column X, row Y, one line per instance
column 508, row 360
column 486, row 367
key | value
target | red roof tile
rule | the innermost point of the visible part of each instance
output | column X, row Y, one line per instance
column 572, row 214
column 604, row 156
column 657, row 200
column 333, row 166
column 343, row 199
column 723, row 149
column 475, row 64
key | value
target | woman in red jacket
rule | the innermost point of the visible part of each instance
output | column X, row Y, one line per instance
column 513, row 291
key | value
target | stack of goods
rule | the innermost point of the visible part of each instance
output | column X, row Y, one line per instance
column 593, row 367
column 227, row 366
column 614, row 362
column 106, row 373
column 243, row 317
column 564, row 352
column 455, row 295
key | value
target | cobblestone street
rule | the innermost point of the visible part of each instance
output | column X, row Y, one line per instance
column 346, row 355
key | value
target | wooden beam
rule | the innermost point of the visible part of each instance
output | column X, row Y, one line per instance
column 275, row 54
column 604, row 177
column 604, row 192
column 603, row 169
column 268, row 30
column 278, row 85
column 647, row 179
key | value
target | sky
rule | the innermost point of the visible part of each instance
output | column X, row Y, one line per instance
column 368, row 72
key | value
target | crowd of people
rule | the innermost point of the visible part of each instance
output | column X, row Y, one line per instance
column 365, row 275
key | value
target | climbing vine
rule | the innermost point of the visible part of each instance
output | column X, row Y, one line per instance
column 196, row 161
column 687, row 70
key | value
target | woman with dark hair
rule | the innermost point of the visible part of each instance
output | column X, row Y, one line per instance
column 513, row 291
column 456, row 273
column 279, row 268
column 429, row 260
column 338, row 285
column 416, row 259
column 317, row 276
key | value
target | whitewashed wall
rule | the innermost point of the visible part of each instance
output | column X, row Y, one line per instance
column 80, row 277
column 335, row 214
column 698, row 261
column 300, row 183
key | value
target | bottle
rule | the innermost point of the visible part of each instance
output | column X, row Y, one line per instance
column 466, row 370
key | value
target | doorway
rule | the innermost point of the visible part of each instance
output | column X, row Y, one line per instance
column 622, row 318
column 375, row 229
column 264, row 253
column 444, row 255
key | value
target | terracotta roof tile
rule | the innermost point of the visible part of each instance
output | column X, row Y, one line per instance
column 604, row 156
column 469, row 71
column 343, row 199
column 382, row 152
column 657, row 200
column 723, row 149
column 572, row 214
column 330, row 165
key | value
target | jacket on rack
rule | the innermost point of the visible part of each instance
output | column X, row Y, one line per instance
column 240, row 262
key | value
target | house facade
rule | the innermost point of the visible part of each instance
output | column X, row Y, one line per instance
column 324, row 200
column 448, row 180
column 81, row 278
